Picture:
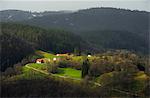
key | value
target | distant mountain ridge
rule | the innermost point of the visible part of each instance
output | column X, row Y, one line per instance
column 83, row 20
column 19, row 15
column 97, row 25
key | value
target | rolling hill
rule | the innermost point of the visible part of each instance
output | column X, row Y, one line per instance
column 18, row 15
column 106, row 28
column 96, row 19
column 28, row 37
column 18, row 41
column 118, row 40
column 103, row 27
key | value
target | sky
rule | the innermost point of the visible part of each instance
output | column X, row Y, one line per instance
column 56, row 5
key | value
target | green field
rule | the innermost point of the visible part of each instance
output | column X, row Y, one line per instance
column 37, row 66
column 69, row 72
column 31, row 74
column 28, row 74
column 47, row 55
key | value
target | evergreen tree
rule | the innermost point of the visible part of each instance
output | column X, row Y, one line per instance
column 85, row 67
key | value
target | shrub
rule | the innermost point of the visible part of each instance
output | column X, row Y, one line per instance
column 75, row 64
column 99, row 67
column 105, row 78
column 70, row 63
column 64, row 63
column 52, row 67
column 18, row 69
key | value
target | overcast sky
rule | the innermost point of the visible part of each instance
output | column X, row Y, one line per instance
column 55, row 5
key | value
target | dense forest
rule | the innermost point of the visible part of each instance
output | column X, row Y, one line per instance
column 84, row 20
column 118, row 40
column 102, row 26
column 13, row 49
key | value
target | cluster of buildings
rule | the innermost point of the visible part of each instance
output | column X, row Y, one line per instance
column 44, row 60
column 57, row 58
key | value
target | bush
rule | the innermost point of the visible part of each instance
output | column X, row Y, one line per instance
column 52, row 68
column 64, row 63
column 18, row 69
column 99, row 67
column 70, row 63
column 105, row 79
column 94, row 71
column 76, row 65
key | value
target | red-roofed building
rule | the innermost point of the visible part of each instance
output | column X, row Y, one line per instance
column 39, row 61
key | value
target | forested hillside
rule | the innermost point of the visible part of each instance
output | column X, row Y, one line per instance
column 18, row 15
column 19, row 41
column 118, row 40
column 84, row 20
column 13, row 50
column 108, row 28
column 96, row 19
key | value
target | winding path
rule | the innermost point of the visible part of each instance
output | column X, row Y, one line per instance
column 37, row 70
column 95, row 83
column 49, row 73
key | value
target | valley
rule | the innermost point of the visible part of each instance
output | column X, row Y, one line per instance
column 95, row 52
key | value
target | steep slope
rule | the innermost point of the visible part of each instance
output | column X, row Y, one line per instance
column 13, row 50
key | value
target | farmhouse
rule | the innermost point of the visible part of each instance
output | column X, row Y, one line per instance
column 39, row 61
column 89, row 56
